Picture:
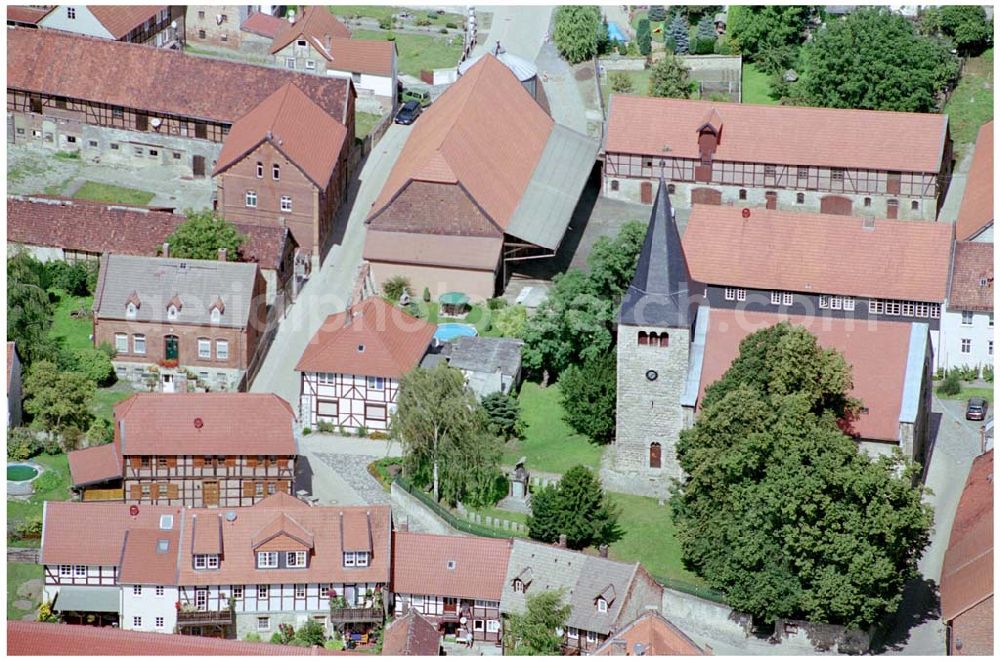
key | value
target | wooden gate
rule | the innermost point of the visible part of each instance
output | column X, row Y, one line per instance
column 210, row 492
column 892, row 209
column 646, row 193
column 655, row 458
column 198, row 166
column 835, row 204
column 706, row 196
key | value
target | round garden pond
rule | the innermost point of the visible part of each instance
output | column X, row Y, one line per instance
column 20, row 475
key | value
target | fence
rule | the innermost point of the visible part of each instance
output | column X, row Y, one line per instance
column 368, row 142
column 691, row 588
column 449, row 517
column 22, row 555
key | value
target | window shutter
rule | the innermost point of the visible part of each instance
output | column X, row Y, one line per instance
column 172, row 461
column 282, row 461
column 251, row 460
column 135, row 492
column 199, row 460
column 134, row 462
column 230, row 460
column 248, row 488
column 173, row 491
column 283, row 486
column 154, row 491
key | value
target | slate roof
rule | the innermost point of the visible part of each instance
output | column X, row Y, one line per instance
column 157, row 80
column 972, row 277
column 38, row 639
column 421, row 565
column 483, row 354
column 295, row 126
column 659, row 293
column 160, row 281
column 370, row 338
column 818, row 253
column 652, row 634
column 976, row 211
column 95, row 227
column 411, row 634
column 583, row 579
column 782, row 135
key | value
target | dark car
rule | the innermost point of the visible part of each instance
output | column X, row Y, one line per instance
column 976, row 409
column 409, row 113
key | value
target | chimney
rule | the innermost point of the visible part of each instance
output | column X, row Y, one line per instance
column 403, row 527
column 166, row 249
column 222, row 254
column 603, row 551
column 562, row 541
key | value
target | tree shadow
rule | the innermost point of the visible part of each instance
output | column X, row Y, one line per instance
column 921, row 603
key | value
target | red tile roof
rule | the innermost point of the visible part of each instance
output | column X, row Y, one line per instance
column 295, row 126
column 263, row 24
column 205, row 424
column 653, row 635
column 206, row 533
column 95, row 227
column 93, row 533
column 370, row 338
column 877, row 353
column 485, row 133
column 284, row 526
column 119, row 20
column 150, row 556
column 819, row 253
column 361, row 56
column 479, row 253
column 315, row 25
column 412, row 634
column 977, row 201
column 972, row 277
column 159, row 80
column 98, row 464
column 421, row 565
column 36, row 639
column 26, row 15
column 782, row 135
column 967, row 571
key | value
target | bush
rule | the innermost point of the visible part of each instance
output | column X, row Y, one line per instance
column 334, row 645
column 443, row 30
column 310, row 634
column 29, row 529
column 988, row 373
column 306, row 430
column 385, row 23
column 74, row 279
column 394, row 288
column 423, row 22
column 950, row 385
column 623, row 48
column 657, row 13
column 704, row 46
column 510, row 322
column 362, row 431
column 325, row 426
column 621, row 82
column 51, row 444
column 101, row 432
column 22, row 444
column 48, row 481
column 252, row 636
column 379, row 435
column 427, row 295
column 96, row 365
column 451, row 26
column 723, row 47
column 496, row 303
column 277, row 638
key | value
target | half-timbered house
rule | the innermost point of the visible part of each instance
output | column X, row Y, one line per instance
column 456, row 582
column 350, row 370
column 195, row 449
column 851, row 162
column 155, row 25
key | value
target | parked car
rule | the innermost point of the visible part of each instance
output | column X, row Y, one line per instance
column 409, row 113
column 976, row 409
column 423, row 97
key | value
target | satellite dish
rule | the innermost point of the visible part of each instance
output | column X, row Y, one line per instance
column 231, row 516
column 133, row 510
column 463, row 620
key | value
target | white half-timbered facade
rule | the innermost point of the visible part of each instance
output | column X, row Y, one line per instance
column 351, row 401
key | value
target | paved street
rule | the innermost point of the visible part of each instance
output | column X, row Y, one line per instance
column 521, row 29
column 329, row 288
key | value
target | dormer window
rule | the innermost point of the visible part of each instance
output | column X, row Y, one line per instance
column 295, row 559
column 356, row 559
column 206, row 561
column 518, row 586
column 361, row 559
column 132, row 305
column 602, row 605
column 130, row 310
column 267, row 559
column 216, row 316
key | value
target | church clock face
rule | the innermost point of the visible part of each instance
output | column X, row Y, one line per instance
column 651, row 375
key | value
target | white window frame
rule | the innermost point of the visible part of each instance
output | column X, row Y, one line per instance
column 968, row 317
column 136, row 589
column 300, row 591
column 65, row 571
column 137, row 621
column 222, row 350
column 325, row 378
column 215, row 315
column 935, row 310
column 263, row 592
column 310, row 65
column 292, row 559
column 159, row 621
column 121, row 343
column 267, row 560
column 160, row 590
column 824, row 301
column 237, row 592
column 361, row 559
column 787, row 298
column 250, row 199
column 204, row 348
column 289, row 63
column 286, row 203
column 908, row 308
column 876, row 306
column 966, row 346
column 848, row 303
column 276, row 172
column 741, row 294
column 572, row 633
column 213, row 561
column 71, row 13
column 130, row 310
column 921, row 309
column 139, row 343
column 79, row 571
column 171, row 312
column 200, row 561
column 989, row 349
column 263, row 624
column 260, row 170
column 492, row 626
column 349, row 559
column 376, row 383
column 776, row 297
column 730, row 293
column 602, row 605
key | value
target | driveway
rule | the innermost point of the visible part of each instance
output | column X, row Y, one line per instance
column 329, row 288
column 520, row 29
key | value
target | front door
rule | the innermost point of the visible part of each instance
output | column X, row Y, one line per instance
column 167, row 383
column 170, row 349
column 210, row 492
column 646, row 193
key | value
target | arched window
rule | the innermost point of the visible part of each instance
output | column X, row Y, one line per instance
column 655, row 460
column 800, row 198
column 643, row 338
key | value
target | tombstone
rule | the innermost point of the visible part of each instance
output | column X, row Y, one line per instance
column 519, row 479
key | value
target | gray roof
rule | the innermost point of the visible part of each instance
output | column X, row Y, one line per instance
column 583, row 579
column 659, row 293
column 87, row 598
column 157, row 281
column 545, row 209
column 914, row 376
column 482, row 354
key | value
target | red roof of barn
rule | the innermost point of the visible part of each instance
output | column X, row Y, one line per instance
column 821, row 253
column 977, row 201
column 205, row 423
column 298, row 128
column 370, row 338
column 263, row 24
column 97, row 464
column 782, row 135
column 363, row 56
column 876, row 352
column 457, row 566
column 316, row 24
column 411, row 634
column 26, row 15
column 119, row 20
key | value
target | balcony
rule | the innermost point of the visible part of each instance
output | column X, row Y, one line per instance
column 356, row 614
column 190, row 618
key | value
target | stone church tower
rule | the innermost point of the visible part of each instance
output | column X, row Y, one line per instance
column 654, row 337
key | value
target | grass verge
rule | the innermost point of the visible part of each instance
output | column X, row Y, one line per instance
column 72, row 332
column 113, row 194
column 364, row 123
column 970, row 392
column 549, row 444
column 971, row 104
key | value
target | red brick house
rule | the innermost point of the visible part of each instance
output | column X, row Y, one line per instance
column 284, row 164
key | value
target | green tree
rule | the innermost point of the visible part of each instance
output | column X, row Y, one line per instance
column 779, row 508
column 310, row 634
column 95, row 365
column 670, row 79
column 538, row 630
column 967, row 27
column 873, row 59
column 577, row 508
column 612, row 260
column 758, row 30
column 29, row 312
column 705, row 36
column 202, row 235
column 509, row 322
column 678, row 33
column 101, row 432
column 576, row 31
column 644, row 36
column 588, row 397
column 657, row 13
column 504, row 413
column 394, row 287
column 57, row 400
column 621, row 82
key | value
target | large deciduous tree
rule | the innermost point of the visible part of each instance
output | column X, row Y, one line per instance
column 670, row 79
column 576, row 31
column 779, row 508
column 873, row 59
column 578, row 508
column 57, row 400
column 589, row 392
column 538, row 631
column 966, row 26
column 29, row 312
column 612, row 260
column 202, row 235
column 758, row 31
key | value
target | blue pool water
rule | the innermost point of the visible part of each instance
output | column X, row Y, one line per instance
column 615, row 33
column 452, row 330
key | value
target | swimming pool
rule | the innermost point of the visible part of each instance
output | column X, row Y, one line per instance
column 615, row 33
column 452, row 330
column 21, row 472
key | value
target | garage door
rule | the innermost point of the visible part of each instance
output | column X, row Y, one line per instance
column 835, row 204
column 706, row 196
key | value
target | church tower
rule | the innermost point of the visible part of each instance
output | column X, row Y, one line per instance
column 654, row 337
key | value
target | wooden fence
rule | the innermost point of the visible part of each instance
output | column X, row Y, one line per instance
column 114, row 494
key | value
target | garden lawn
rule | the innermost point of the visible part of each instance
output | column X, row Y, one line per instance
column 379, row 12
column 106, row 398
column 17, row 574
column 114, row 194
column 67, row 331
column 549, row 444
column 756, row 86
column 971, row 103
column 640, row 84
column 418, row 52
column 970, row 392
column 650, row 537
column 58, row 490
column 364, row 123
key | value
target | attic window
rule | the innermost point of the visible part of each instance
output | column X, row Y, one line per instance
column 166, row 522
column 130, row 310
column 301, row 43
column 602, row 605
column 451, row 565
column 361, row 348
column 518, row 586
column 216, row 315
column 162, row 546
column 172, row 312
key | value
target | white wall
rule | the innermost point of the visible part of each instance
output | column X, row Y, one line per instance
column 351, row 409
column 149, row 606
column 84, row 23
column 949, row 352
